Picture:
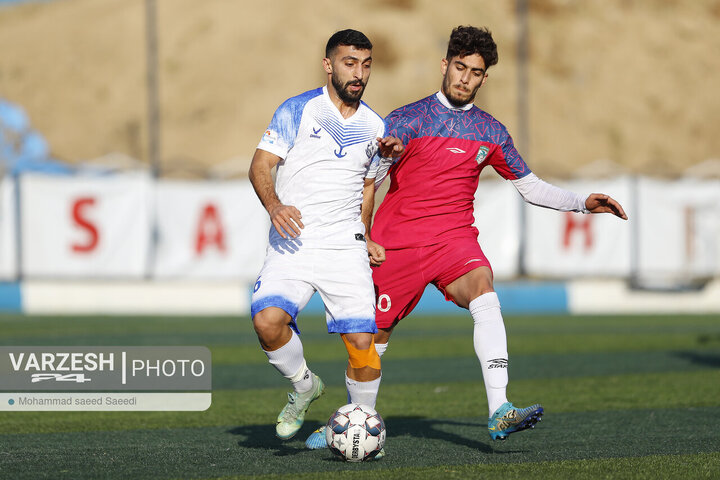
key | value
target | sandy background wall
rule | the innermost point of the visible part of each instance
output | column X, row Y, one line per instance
column 635, row 82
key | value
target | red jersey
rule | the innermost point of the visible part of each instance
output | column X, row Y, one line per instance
column 433, row 183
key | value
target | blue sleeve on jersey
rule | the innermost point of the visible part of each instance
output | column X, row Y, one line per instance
column 286, row 120
column 513, row 160
column 399, row 125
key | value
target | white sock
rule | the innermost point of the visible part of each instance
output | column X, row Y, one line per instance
column 380, row 349
column 491, row 347
column 289, row 360
column 302, row 380
column 362, row 392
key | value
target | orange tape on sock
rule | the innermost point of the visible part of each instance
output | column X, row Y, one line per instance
column 362, row 358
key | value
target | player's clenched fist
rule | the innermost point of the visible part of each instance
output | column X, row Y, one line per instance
column 376, row 253
column 286, row 219
column 390, row 147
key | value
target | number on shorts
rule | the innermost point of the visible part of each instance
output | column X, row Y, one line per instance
column 388, row 303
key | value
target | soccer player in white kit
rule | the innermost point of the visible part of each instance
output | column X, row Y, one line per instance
column 323, row 143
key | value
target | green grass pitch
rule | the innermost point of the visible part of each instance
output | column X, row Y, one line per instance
column 624, row 397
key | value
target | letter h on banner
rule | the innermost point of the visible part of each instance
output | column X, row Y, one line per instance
column 583, row 223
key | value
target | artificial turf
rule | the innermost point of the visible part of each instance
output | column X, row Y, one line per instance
column 625, row 397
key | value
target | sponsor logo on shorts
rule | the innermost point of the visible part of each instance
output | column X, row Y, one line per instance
column 473, row 260
column 360, row 237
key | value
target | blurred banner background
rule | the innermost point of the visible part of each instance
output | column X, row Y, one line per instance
column 127, row 128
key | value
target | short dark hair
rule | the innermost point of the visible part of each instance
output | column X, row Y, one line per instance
column 467, row 40
column 349, row 37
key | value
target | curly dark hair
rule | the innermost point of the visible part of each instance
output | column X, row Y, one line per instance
column 347, row 37
column 467, row 40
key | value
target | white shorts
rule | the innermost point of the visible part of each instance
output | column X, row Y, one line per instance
column 342, row 277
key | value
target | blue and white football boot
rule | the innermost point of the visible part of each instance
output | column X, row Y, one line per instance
column 507, row 419
column 317, row 439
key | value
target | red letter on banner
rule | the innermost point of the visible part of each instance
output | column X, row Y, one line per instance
column 582, row 223
column 210, row 230
column 81, row 221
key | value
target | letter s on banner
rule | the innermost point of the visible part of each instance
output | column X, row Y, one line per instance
column 78, row 208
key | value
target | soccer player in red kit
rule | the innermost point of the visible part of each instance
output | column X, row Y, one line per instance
column 425, row 221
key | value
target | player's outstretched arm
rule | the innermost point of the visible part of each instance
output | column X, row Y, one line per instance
column 601, row 203
column 285, row 218
column 543, row 194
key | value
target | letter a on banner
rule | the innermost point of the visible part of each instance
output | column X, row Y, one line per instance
column 210, row 230
column 583, row 223
column 78, row 208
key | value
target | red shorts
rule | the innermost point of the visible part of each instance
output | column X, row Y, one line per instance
column 401, row 280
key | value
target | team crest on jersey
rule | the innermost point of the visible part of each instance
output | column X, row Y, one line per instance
column 371, row 148
column 270, row 137
column 482, row 153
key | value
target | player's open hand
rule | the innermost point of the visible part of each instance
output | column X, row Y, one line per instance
column 390, row 147
column 601, row 203
column 286, row 219
column 376, row 253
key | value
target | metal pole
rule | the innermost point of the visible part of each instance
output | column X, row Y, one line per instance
column 153, row 103
column 523, row 128
column 153, row 113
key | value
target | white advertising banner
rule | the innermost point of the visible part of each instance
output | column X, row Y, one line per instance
column 212, row 230
column 497, row 218
column 85, row 226
column 566, row 244
column 8, row 230
column 679, row 228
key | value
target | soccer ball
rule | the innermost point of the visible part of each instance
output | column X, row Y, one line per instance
column 355, row 432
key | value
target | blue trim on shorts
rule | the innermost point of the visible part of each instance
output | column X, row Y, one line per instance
column 352, row 325
column 279, row 302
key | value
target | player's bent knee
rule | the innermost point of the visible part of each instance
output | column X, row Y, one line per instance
column 362, row 358
column 361, row 341
column 270, row 319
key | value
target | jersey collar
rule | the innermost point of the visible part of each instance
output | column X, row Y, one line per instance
column 446, row 103
column 332, row 106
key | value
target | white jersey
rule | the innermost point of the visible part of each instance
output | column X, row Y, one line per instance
column 325, row 160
